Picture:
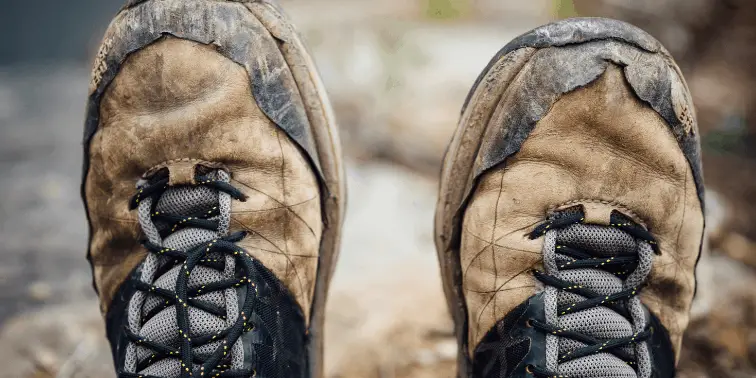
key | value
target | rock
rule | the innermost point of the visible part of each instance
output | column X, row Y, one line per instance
column 724, row 342
column 56, row 341
column 40, row 291
column 387, row 311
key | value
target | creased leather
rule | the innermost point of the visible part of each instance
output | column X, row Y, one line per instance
column 177, row 99
column 600, row 143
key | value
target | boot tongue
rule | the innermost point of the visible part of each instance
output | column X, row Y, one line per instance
column 187, row 201
column 163, row 327
column 599, row 322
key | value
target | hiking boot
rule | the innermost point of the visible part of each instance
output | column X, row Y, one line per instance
column 214, row 191
column 570, row 217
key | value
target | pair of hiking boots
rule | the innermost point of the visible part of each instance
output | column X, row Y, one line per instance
column 568, row 226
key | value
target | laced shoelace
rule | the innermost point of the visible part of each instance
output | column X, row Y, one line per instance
column 185, row 296
column 621, row 266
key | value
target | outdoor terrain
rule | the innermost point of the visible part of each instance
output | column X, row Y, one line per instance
column 397, row 72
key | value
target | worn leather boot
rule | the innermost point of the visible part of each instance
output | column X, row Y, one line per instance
column 570, row 217
column 214, row 191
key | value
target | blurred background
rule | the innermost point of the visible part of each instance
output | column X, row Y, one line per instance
column 397, row 72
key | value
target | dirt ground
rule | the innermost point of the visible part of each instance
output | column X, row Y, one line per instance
column 397, row 72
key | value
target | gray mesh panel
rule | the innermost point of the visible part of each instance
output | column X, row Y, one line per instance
column 597, row 366
column 224, row 203
column 568, row 345
column 605, row 241
column 188, row 200
column 130, row 361
column 601, row 323
column 163, row 326
column 644, row 360
column 598, row 280
column 207, row 349
column 188, row 237
column 598, row 322
column 568, row 299
column 149, row 229
column 646, row 255
column 550, row 299
column 200, row 276
column 168, row 368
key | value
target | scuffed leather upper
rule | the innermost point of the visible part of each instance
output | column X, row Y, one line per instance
column 601, row 145
column 177, row 99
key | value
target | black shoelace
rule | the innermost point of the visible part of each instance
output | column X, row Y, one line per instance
column 184, row 296
column 621, row 266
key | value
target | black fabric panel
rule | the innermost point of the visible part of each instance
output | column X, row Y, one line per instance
column 276, row 347
column 511, row 344
column 660, row 347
